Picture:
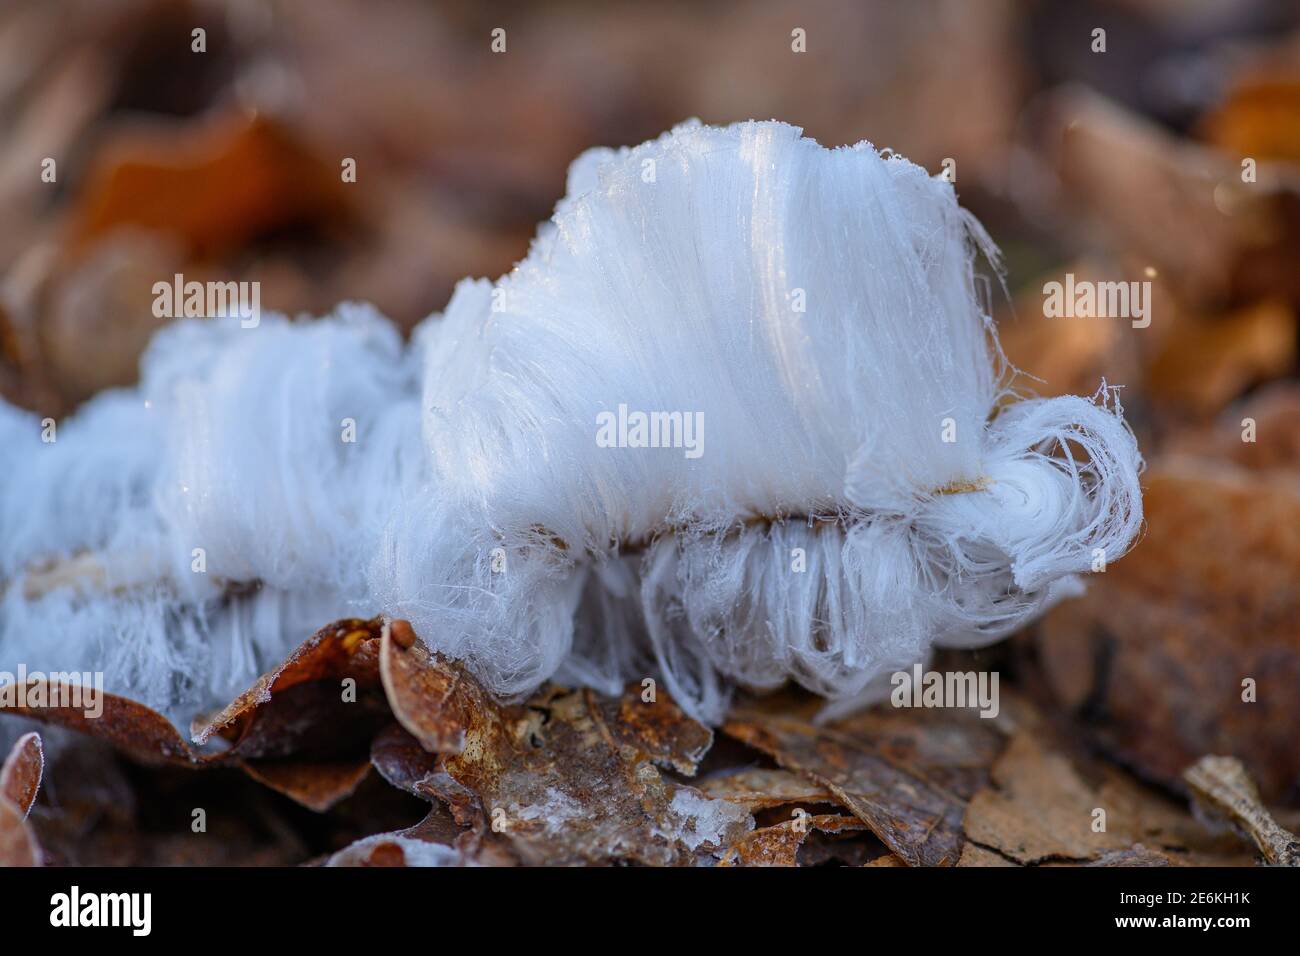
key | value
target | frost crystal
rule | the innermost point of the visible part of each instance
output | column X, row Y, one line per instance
column 703, row 820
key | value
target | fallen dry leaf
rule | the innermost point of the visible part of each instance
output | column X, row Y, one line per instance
column 292, row 731
column 1152, row 820
column 972, row 854
column 562, row 778
column 217, row 184
column 889, row 860
column 1173, row 204
column 316, row 785
column 660, row 730
column 760, row 788
column 1259, row 115
column 1038, row 809
column 20, row 775
column 138, row 731
column 104, row 811
column 405, row 764
column 434, row 841
column 1190, row 646
column 917, row 819
column 1222, row 785
column 298, row 709
column 952, row 747
column 1136, row 855
column 427, row 699
column 779, row 845
column 395, row 850
column 20, row 778
column 1274, row 415
column 428, row 843
column 1211, row 361
column 401, row 760
column 18, row 845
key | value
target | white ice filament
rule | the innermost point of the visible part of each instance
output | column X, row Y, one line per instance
column 867, row 487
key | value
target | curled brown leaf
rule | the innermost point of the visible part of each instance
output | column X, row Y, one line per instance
column 20, row 775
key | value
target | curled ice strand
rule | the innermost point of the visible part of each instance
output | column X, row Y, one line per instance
column 743, row 421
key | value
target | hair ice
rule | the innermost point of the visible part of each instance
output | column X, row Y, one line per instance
column 869, row 486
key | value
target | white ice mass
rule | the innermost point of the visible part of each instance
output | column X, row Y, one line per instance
column 870, row 486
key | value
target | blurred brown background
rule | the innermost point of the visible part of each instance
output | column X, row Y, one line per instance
column 1117, row 166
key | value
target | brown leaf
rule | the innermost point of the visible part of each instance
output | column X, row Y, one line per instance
column 915, row 818
column 779, row 845
column 138, row 731
column 18, row 845
column 1275, row 413
column 401, row 760
column 20, row 776
column 1259, row 116
column 434, row 841
column 972, row 854
column 1136, row 855
column 659, row 729
column 952, row 747
column 428, row 843
column 110, row 814
column 217, row 185
column 1212, row 361
column 760, row 788
column 438, row 827
column 429, row 699
column 1174, row 205
column 105, row 297
column 1149, row 818
column 1038, row 809
column 298, row 708
column 315, row 785
column 297, row 711
column 465, row 806
column 1032, row 812
column 563, row 778
column 889, row 860
column 1222, row 785
column 1156, row 655
column 295, row 731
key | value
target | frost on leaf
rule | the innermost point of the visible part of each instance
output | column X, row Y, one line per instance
column 564, row 777
column 20, row 775
column 20, row 778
